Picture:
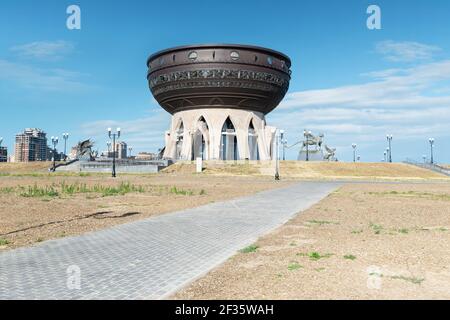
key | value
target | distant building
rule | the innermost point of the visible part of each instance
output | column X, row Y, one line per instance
column 146, row 156
column 3, row 154
column 31, row 145
column 121, row 150
column 59, row 156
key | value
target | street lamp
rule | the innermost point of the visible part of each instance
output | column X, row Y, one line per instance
column 306, row 134
column 354, row 152
column 54, row 143
column 277, row 159
column 1, row 140
column 424, row 157
column 384, row 158
column 65, row 137
column 113, row 136
column 389, row 139
column 193, row 145
column 431, row 140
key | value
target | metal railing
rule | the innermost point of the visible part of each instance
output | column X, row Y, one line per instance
column 429, row 166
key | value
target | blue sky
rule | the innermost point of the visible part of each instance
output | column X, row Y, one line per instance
column 349, row 82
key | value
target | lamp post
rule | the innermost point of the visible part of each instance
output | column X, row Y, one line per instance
column 424, row 157
column 384, row 158
column 277, row 158
column 354, row 152
column 389, row 139
column 1, row 140
column 113, row 136
column 306, row 134
column 130, row 149
column 65, row 137
column 283, row 143
column 192, row 149
column 54, row 143
column 431, row 140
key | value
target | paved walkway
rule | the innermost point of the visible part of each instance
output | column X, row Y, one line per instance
column 151, row 258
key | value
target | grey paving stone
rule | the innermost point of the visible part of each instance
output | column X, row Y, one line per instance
column 151, row 258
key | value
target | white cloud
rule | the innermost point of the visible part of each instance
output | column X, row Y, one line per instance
column 144, row 134
column 405, row 51
column 398, row 88
column 44, row 50
column 43, row 79
column 411, row 103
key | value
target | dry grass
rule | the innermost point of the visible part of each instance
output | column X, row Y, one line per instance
column 380, row 241
column 315, row 170
column 24, row 167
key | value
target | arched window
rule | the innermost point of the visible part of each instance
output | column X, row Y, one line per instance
column 201, row 135
column 229, row 147
column 253, row 150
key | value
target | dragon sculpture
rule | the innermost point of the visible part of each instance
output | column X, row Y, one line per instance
column 84, row 150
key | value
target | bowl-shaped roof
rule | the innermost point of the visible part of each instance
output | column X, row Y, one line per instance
column 218, row 76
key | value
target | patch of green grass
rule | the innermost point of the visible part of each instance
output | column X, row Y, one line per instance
column 403, row 230
column 84, row 174
column 7, row 190
column 437, row 196
column 414, row 280
column 36, row 192
column 377, row 228
column 292, row 244
column 3, row 242
column 39, row 240
column 182, row 192
column 249, row 249
column 73, row 188
column 349, row 257
column 319, row 269
column 122, row 189
column 376, row 274
column 357, row 231
column 294, row 266
column 321, row 222
column 202, row 192
column 315, row 255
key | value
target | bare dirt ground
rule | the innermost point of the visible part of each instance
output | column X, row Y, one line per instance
column 365, row 241
column 36, row 205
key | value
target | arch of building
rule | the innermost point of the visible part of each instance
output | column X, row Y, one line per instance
column 219, row 134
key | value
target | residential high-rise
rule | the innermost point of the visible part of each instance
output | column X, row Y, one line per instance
column 31, row 145
column 3, row 154
column 121, row 149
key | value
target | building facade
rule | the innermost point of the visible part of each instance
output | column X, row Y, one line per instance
column 218, row 96
column 31, row 145
column 121, row 150
column 3, row 154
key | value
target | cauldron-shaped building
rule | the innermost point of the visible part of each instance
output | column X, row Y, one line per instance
column 218, row 95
